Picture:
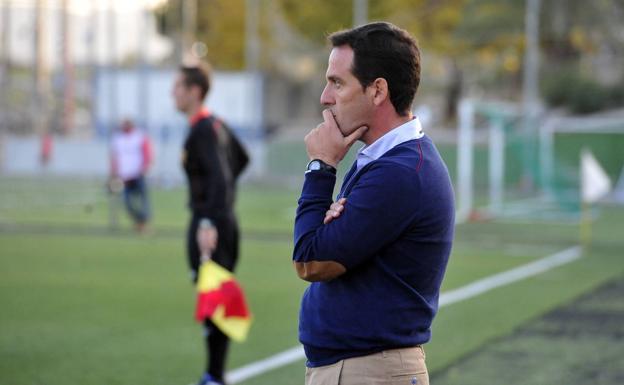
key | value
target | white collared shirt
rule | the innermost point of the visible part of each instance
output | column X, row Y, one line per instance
column 407, row 131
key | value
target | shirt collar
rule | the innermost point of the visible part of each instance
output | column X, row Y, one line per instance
column 199, row 115
column 407, row 131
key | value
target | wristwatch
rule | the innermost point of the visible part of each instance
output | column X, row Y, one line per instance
column 317, row 164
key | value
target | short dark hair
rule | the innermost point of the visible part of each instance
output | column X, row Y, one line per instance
column 383, row 50
column 197, row 75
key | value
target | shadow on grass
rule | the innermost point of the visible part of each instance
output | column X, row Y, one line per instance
column 579, row 343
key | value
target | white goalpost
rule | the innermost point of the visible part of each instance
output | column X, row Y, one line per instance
column 498, row 114
column 597, row 126
column 493, row 130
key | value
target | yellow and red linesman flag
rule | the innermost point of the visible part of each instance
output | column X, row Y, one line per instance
column 220, row 298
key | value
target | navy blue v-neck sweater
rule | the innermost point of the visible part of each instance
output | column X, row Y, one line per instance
column 394, row 238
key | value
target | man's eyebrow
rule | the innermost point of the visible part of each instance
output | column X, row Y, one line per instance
column 333, row 78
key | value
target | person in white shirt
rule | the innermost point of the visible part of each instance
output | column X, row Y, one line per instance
column 131, row 157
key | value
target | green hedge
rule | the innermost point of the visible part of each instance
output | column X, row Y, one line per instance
column 580, row 94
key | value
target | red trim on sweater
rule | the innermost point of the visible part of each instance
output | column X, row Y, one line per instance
column 420, row 161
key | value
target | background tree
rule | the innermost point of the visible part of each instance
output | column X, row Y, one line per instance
column 220, row 26
column 468, row 43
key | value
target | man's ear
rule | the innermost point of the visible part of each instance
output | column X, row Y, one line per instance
column 380, row 89
column 196, row 91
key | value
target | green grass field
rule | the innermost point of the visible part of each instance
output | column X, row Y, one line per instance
column 86, row 304
column 578, row 343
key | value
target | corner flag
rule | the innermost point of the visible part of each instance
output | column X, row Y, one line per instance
column 220, row 298
column 595, row 183
column 618, row 190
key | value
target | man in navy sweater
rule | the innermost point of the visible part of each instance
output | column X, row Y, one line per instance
column 375, row 257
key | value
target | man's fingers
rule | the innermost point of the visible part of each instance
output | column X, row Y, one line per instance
column 330, row 216
column 310, row 134
column 329, row 119
column 335, row 210
column 355, row 135
column 335, row 207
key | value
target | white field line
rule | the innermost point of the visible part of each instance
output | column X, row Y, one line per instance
column 505, row 278
column 450, row 297
column 256, row 368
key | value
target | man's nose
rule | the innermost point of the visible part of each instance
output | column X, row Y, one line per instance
column 326, row 97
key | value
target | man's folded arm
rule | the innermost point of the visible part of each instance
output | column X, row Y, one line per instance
column 369, row 221
column 318, row 271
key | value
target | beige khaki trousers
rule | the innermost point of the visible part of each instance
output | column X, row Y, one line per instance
column 391, row 367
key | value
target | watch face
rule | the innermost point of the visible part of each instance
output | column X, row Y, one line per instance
column 315, row 165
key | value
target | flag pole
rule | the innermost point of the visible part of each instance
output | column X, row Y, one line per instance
column 585, row 226
column 595, row 184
